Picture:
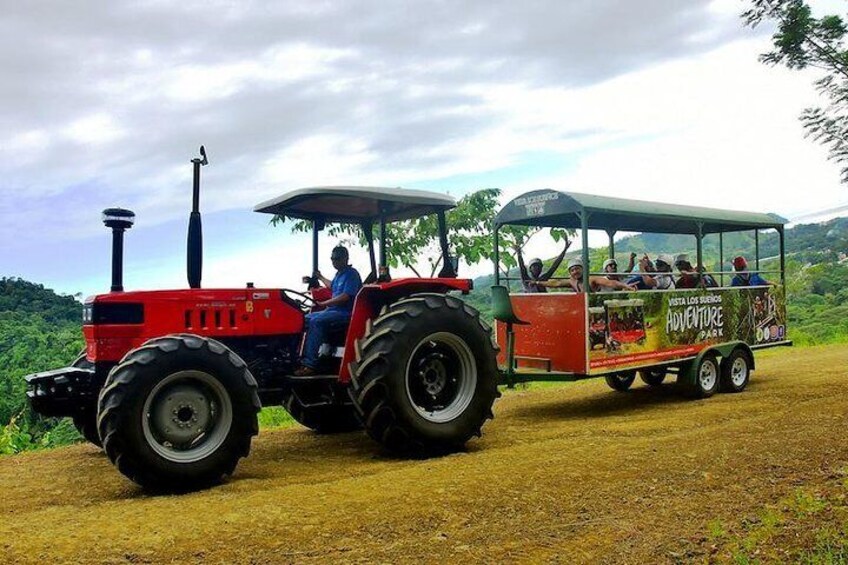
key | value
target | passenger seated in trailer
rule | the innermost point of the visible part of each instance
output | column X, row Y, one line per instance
column 345, row 285
column 611, row 268
column 575, row 280
column 689, row 277
column 530, row 280
column 656, row 275
column 745, row 278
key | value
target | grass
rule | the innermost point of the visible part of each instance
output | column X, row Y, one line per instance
column 809, row 525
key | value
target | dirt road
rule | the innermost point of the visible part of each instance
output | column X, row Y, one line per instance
column 572, row 473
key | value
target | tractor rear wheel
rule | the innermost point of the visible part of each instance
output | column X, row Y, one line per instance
column 621, row 381
column 178, row 413
column 323, row 414
column 85, row 420
column 426, row 375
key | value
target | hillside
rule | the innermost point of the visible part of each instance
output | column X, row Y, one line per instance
column 563, row 474
column 38, row 330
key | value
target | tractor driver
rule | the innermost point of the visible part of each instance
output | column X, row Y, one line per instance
column 344, row 285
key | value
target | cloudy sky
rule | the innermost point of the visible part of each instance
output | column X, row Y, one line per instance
column 104, row 103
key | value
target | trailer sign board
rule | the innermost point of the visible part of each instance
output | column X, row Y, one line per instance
column 660, row 326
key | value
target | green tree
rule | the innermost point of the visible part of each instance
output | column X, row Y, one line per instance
column 408, row 242
column 802, row 41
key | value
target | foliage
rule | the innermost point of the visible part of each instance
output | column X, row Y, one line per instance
column 407, row 242
column 39, row 330
column 469, row 226
column 802, row 41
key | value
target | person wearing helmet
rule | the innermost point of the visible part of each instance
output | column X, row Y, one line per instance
column 532, row 275
column 661, row 278
column 690, row 277
column 610, row 267
column 575, row 280
column 745, row 278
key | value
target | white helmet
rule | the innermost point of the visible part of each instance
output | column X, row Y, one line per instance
column 575, row 262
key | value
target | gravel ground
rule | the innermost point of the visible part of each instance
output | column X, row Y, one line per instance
column 574, row 473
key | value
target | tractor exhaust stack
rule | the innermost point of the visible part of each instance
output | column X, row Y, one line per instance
column 194, row 251
column 119, row 220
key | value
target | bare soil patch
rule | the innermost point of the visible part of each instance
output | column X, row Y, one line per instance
column 574, row 473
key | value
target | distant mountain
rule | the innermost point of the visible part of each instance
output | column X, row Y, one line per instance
column 24, row 297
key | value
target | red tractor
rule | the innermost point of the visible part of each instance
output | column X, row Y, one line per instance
column 171, row 381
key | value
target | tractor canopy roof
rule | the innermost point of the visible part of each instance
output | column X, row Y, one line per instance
column 356, row 204
column 553, row 208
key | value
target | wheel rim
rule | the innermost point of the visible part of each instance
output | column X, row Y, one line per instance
column 739, row 372
column 708, row 375
column 187, row 416
column 441, row 377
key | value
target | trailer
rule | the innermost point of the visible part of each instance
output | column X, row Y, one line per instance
column 705, row 336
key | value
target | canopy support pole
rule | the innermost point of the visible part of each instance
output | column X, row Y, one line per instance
column 368, row 231
column 782, row 258
column 383, row 268
column 584, row 234
column 447, row 270
column 317, row 225
column 699, row 237
column 611, row 234
column 497, row 255
column 721, row 256
column 757, row 248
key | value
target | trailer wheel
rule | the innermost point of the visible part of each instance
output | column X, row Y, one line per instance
column 621, row 381
column 735, row 371
column 322, row 416
column 707, row 375
column 85, row 420
column 652, row 377
column 178, row 413
column 426, row 375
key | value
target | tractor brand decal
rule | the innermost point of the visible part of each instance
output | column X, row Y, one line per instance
column 535, row 205
column 260, row 295
column 644, row 327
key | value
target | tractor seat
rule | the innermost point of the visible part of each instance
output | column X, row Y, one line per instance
column 502, row 306
column 337, row 332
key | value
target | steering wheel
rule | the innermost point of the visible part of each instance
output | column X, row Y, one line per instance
column 305, row 302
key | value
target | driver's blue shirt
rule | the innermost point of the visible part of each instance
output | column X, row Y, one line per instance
column 346, row 281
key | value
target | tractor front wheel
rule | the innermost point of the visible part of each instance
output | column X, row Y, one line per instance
column 178, row 413
column 426, row 375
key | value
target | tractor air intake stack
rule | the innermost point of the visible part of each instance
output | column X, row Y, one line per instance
column 119, row 220
column 194, row 252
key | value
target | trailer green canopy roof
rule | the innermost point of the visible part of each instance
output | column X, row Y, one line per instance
column 553, row 208
column 355, row 204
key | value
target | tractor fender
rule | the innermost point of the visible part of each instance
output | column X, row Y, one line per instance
column 374, row 297
column 722, row 350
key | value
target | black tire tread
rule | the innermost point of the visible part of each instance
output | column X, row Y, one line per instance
column 114, row 395
column 370, row 372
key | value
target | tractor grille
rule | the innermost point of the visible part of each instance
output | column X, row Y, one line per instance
column 210, row 318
